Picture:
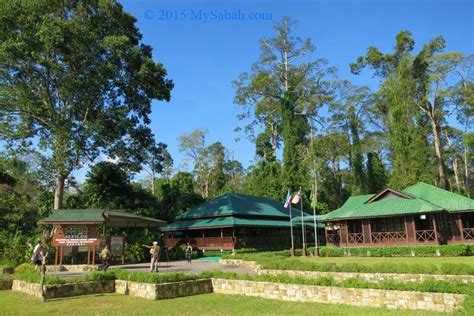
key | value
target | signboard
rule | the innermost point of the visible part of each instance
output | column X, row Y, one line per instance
column 116, row 245
column 75, row 235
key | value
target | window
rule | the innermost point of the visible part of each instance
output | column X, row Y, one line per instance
column 389, row 224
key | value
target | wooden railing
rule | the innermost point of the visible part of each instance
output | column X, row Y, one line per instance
column 333, row 239
column 171, row 242
column 425, row 235
column 250, row 241
column 388, row 237
column 355, row 238
column 203, row 243
column 468, row 233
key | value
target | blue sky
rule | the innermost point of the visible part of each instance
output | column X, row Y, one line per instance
column 203, row 57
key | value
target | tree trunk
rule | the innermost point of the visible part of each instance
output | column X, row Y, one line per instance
column 437, row 144
column 456, row 175
column 59, row 191
column 153, row 182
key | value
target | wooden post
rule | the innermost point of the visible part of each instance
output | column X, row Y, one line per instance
column 222, row 233
column 458, row 221
column 410, row 228
column 93, row 255
column 326, row 235
column 433, row 220
column 56, row 256
column 366, row 231
column 346, row 234
column 61, row 255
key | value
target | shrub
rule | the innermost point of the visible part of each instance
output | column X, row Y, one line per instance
column 24, row 267
column 33, row 276
column 405, row 251
column 145, row 277
column 279, row 261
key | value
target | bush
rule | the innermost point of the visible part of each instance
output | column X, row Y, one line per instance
column 24, row 267
column 405, row 251
column 134, row 253
column 213, row 253
column 145, row 277
column 33, row 276
column 281, row 261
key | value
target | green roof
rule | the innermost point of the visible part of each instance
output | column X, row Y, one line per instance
column 113, row 218
column 353, row 201
column 79, row 215
column 225, row 221
column 447, row 200
column 237, row 204
column 392, row 207
column 425, row 198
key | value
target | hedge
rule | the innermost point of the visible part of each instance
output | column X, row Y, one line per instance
column 280, row 261
column 404, row 251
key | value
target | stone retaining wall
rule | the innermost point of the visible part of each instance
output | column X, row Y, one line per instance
column 371, row 277
column 163, row 290
column 65, row 290
column 441, row 302
column 72, row 268
column 6, row 284
column 339, row 276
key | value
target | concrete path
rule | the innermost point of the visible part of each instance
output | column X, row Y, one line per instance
column 174, row 266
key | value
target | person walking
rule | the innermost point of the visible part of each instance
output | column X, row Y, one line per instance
column 105, row 256
column 155, row 256
column 189, row 252
column 39, row 255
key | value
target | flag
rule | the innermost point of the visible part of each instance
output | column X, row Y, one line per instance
column 287, row 200
column 296, row 198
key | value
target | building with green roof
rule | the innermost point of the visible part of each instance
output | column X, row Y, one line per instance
column 73, row 229
column 418, row 215
column 237, row 221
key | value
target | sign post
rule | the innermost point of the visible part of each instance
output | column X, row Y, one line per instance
column 75, row 235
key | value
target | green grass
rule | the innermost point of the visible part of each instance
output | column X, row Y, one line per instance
column 437, row 261
column 426, row 265
column 12, row 303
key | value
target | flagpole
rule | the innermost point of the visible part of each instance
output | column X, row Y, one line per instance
column 303, row 251
column 292, row 250
column 316, row 246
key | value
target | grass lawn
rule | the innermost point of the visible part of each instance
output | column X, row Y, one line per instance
column 392, row 260
column 13, row 303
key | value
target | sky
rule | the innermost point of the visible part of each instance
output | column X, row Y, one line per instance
column 203, row 52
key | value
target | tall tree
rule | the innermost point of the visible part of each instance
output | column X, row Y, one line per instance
column 406, row 128
column 348, row 113
column 75, row 76
column 156, row 158
column 377, row 177
column 285, row 82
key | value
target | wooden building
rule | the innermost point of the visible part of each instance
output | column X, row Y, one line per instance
column 421, row 214
column 236, row 221
column 86, row 228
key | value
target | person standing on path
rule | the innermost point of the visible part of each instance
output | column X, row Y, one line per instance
column 155, row 256
column 105, row 256
column 39, row 255
column 189, row 252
